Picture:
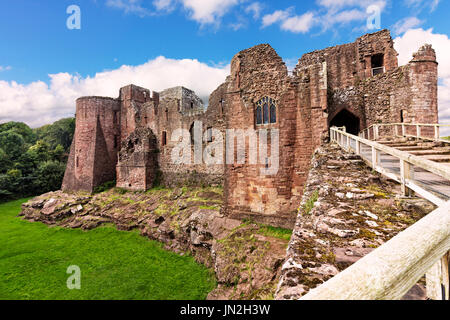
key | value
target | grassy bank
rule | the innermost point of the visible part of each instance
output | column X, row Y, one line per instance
column 114, row 264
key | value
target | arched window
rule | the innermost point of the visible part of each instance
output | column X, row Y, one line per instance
column 258, row 115
column 266, row 111
column 273, row 113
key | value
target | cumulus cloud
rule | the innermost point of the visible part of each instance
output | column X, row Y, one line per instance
column 410, row 42
column 289, row 21
column 299, row 24
column 164, row 5
column 405, row 24
column 255, row 9
column 328, row 14
column 279, row 15
column 40, row 103
column 208, row 11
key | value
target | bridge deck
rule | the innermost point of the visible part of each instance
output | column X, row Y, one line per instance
column 438, row 152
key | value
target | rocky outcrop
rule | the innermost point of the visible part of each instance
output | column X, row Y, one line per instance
column 347, row 211
column 246, row 261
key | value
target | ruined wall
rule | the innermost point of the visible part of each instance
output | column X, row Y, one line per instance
column 257, row 73
column 408, row 92
column 179, row 109
column 94, row 149
column 137, row 167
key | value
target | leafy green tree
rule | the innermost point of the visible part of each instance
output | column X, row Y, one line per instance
column 41, row 150
column 49, row 175
column 12, row 143
column 61, row 132
column 4, row 161
column 20, row 128
column 58, row 153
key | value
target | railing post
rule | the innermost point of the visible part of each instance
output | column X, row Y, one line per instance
column 348, row 143
column 403, row 130
column 375, row 158
column 358, row 148
column 437, row 135
column 437, row 280
column 376, row 133
column 418, row 131
column 396, row 130
column 405, row 174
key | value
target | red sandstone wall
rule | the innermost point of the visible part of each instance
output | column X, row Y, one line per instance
column 93, row 151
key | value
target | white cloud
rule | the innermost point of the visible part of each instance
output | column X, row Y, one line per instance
column 255, row 8
column 5, row 68
column 328, row 14
column 289, row 21
column 208, row 11
column 410, row 42
column 405, row 24
column 299, row 24
column 129, row 6
column 164, row 5
column 421, row 4
column 39, row 103
column 279, row 15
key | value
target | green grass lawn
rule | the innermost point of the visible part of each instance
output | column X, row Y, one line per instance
column 114, row 264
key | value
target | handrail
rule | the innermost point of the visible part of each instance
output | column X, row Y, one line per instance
column 436, row 126
column 431, row 166
column 391, row 270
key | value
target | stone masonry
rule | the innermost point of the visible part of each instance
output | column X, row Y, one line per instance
column 353, row 85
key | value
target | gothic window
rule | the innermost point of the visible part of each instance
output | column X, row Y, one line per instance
column 167, row 115
column 258, row 115
column 273, row 114
column 266, row 111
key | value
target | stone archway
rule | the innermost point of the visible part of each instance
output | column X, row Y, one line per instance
column 347, row 119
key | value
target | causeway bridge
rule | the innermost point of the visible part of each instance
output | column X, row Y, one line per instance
column 418, row 158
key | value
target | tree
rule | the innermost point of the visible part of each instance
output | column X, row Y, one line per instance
column 41, row 150
column 20, row 128
column 12, row 143
column 4, row 161
column 61, row 132
column 50, row 175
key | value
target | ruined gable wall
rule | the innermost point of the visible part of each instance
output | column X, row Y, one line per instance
column 410, row 90
column 256, row 73
column 347, row 66
column 179, row 109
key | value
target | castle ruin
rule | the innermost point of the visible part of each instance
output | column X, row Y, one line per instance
column 129, row 139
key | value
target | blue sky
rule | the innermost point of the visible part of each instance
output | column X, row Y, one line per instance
column 44, row 66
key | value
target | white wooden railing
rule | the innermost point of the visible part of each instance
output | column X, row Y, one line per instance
column 392, row 269
column 405, row 169
column 415, row 130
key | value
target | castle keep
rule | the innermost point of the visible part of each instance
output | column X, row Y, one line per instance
column 129, row 139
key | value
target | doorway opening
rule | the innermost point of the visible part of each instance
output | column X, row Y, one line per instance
column 347, row 119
